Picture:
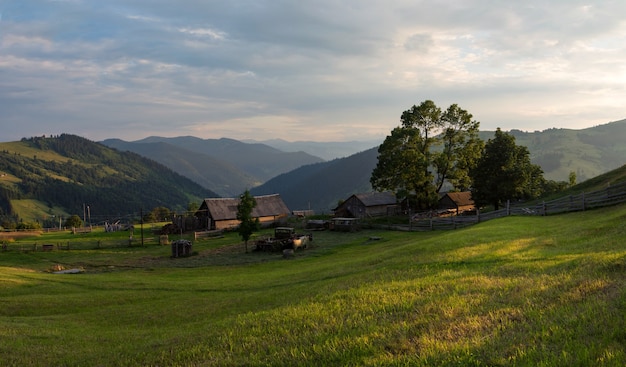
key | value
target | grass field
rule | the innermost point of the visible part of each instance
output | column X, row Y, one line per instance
column 521, row 291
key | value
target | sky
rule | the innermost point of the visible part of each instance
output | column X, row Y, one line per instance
column 323, row 70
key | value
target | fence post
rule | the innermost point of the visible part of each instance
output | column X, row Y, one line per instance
column 477, row 215
column 508, row 208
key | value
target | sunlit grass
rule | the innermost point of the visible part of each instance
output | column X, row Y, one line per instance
column 517, row 291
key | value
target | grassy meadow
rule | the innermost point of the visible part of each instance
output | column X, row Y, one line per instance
column 517, row 291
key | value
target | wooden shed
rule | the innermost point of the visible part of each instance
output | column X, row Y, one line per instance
column 221, row 213
column 181, row 248
column 458, row 201
column 344, row 224
column 371, row 204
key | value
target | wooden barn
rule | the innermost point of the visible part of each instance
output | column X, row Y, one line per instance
column 221, row 213
column 371, row 204
column 457, row 201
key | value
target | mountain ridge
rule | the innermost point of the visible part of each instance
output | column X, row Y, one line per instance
column 64, row 174
column 224, row 165
column 312, row 182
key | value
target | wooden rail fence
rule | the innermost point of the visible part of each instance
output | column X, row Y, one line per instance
column 612, row 195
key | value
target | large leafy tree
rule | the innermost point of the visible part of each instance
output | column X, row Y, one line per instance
column 248, row 225
column 403, row 167
column 460, row 149
column 430, row 148
column 504, row 172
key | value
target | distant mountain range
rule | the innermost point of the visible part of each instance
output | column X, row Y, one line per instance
column 304, row 180
column 227, row 166
column 326, row 150
column 61, row 174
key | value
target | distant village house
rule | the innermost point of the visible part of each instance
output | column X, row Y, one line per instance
column 221, row 213
column 457, row 202
column 364, row 205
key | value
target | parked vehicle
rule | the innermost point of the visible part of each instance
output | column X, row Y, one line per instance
column 284, row 238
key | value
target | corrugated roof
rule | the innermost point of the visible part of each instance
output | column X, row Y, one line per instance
column 376, row 198
column 226, row 208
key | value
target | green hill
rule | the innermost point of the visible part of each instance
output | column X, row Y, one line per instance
column 215, row 174
column 43, row 178
column 225, row 166
column 320, row 186
column 587, row 152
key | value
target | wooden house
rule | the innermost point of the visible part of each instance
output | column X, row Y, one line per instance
column 221, row 213
column 371, row 204
column 458, row 202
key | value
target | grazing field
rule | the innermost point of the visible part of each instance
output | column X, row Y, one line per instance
column 522, row 291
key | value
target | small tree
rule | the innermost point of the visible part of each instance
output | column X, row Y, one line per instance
column 248, row 225
column 74, row 221
column 192, row 207
column 161, row 214
column 572, row 178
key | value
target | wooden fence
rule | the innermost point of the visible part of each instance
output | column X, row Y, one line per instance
column 612, row 195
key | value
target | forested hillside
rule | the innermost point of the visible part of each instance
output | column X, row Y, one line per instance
column 320, row 186
column 587, row 152
column 226, row 166
column 67, row 172
column 215, row 174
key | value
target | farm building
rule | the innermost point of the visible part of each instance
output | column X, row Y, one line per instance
column 221, row 213
column 371, row 204
column 344, row 224
column 457, row 201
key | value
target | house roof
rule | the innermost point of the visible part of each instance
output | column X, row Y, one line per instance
column 460, row 198
column 376, row 198
column 226, row 208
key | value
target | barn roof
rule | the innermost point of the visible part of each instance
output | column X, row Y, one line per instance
column 376, row 198
column 460, row 198
column 226, row 208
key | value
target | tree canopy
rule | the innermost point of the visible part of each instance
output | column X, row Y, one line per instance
column 431, row 148
column 504, row 172
column 73, row 221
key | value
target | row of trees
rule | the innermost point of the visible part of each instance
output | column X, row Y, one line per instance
column 433, row 148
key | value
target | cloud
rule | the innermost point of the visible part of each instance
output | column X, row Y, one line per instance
column 328, row 69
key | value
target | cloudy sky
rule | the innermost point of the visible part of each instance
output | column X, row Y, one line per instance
column 325, row 70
